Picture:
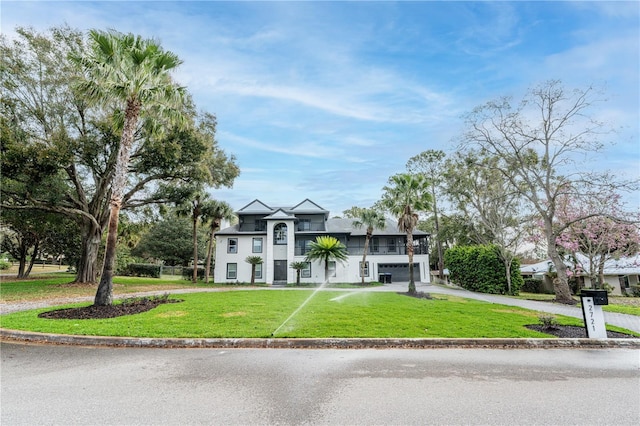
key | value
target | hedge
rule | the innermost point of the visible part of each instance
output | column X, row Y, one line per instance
column 143, row 270
column 479, row 268
column 187, row 273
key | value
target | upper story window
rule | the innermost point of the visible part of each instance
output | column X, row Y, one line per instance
column 260, row 225
column 391, row 243
column 304, row 225
column 280, row 234
column 257, row 245
column 232, row 245
column 375, row 245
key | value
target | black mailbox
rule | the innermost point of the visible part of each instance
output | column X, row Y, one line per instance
column 599, row 296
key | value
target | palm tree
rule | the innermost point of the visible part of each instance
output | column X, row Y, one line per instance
column 213, row 212
column 325, row 249
column 132, row 73
column 253, row 261
column 193, row 209
column 406, row 195
column 372, row 219
column 298, row 266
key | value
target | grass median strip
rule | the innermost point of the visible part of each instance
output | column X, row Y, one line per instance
column 258, row 313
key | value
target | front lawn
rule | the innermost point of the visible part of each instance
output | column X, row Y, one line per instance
column 339, row 314
column 619, row 304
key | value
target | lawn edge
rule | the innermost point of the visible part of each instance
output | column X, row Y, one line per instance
column 7, row 335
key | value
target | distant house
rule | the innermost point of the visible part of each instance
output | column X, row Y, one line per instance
column 620, row 274
column 282, row 235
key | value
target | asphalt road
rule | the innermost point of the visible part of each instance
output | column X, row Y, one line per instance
column 42, row 385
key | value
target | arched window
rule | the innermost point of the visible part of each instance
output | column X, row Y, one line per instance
column 280, row 234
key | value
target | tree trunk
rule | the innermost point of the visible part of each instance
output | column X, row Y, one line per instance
column 601, row 272
column 207, row 266
column 88, row 263
column 34, row 255
column 412, row 283
column 561, row 282
column 298, row 277
column 104, row 295
column 253, row 274
column 194, row 279
column 364, row 255
column 438, row 242
column 22, row 259
column 326, row 271
column 507, row 267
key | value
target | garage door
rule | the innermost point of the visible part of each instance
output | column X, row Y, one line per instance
column 399, row 271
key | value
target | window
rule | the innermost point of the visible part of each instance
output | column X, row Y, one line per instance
column 304, row 225
column 306, row 271
column 391, row 242
column 232, row 245
column 260, row 225
column 375, row 245
column 332, row 268
column 280, row 234
column 232, row 271
column 366, row 269
column 257, row 245
column 259, row 271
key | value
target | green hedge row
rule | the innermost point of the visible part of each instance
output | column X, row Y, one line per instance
column 142, row 270
column 187, row 273
column 479, row 268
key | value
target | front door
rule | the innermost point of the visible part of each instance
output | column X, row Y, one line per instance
column 280, row 270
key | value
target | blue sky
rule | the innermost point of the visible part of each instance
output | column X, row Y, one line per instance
column 326, row 100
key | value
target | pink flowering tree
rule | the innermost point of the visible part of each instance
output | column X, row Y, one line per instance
column 598, row 228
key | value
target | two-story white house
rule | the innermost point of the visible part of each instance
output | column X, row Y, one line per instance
column 281, row 235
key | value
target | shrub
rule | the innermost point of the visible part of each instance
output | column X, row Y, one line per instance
column 4, row 264
column 635, row 290
column 142, row 270
column 187, row 273
column 532, row 285
column 548, row 321
column 479, row 268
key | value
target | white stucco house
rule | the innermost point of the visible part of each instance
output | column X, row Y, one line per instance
column 620, row 274
column 281, row 235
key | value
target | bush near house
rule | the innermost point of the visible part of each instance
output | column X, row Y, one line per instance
column 479, row 268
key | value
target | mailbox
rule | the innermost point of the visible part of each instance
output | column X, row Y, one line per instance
column 600, row 297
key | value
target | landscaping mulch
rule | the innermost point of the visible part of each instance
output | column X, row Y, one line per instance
column 127, row 307
column 574, row 332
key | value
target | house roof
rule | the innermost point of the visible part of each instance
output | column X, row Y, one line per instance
column 305, row 207
column 622, row 266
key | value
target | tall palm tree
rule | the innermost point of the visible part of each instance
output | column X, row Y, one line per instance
column 404, row 197
column 298, row 266
column 132, row 73
column 325, row 249
column 372, row 219
column 253, row 261
column 214, row 212
column 193, row 209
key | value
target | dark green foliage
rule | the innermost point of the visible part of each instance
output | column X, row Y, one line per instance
column 479, row 268
column 635, row 290
column 170, row 240
column 531, row 285
column 187, row 273
column 142, row 270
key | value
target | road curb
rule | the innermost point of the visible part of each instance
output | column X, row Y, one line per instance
column 275, row 343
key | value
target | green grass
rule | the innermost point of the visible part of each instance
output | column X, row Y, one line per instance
column 258, row 313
